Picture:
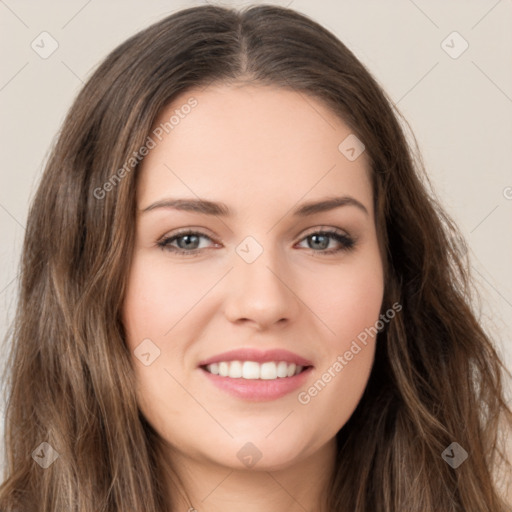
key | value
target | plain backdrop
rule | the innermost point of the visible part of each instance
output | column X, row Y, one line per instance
column 455, row 90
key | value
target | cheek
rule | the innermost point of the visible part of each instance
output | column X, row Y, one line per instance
column 156, row 301
column 350, row 307
column 347, row 299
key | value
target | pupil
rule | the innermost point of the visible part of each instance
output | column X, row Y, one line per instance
column 322, row 245
column 189, row 240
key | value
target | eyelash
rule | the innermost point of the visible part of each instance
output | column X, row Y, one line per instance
column 347, row 242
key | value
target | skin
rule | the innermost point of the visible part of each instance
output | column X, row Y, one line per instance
column 262, row 151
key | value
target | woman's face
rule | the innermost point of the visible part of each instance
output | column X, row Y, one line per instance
column 256, row 275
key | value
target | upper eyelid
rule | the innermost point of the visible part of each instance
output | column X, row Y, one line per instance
column 326, row 228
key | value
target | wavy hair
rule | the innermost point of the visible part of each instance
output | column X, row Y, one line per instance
column 437, row 377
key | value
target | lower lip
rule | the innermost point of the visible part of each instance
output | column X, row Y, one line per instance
column 259, row 390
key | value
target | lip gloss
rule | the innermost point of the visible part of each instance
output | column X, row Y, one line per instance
column 258, row 390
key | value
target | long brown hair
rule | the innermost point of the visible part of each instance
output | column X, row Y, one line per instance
column 436, row 378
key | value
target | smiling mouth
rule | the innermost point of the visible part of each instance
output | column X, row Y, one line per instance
column 270, row 370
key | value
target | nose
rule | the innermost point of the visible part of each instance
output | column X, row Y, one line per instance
column 261, row 293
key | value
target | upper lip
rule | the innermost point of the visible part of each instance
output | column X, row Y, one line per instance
column 258, row 356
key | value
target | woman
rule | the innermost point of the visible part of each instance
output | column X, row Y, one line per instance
column 238, row 292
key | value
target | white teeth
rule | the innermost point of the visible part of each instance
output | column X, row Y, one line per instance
column 268, row 371
column 251, row 370
column 235, row 370
column 223, row 369
column 282, row 369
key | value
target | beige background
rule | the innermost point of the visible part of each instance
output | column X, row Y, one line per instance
column 460, row 109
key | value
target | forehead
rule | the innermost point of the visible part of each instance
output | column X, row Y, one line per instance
column 250, row 143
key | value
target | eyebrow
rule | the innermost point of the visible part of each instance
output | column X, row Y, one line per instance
column 206, row 207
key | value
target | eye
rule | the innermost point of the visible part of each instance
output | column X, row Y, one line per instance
column 319, row 241
column 187, row 242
